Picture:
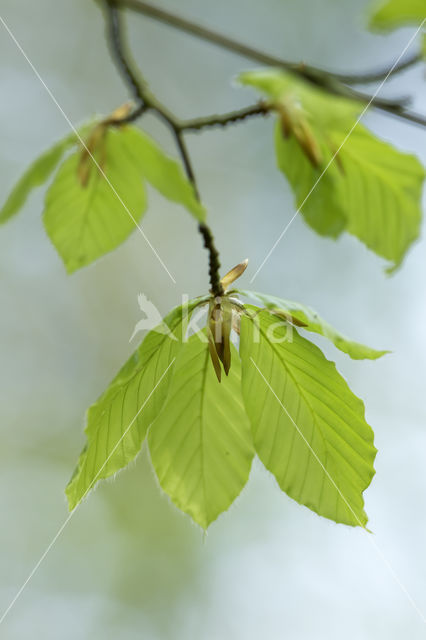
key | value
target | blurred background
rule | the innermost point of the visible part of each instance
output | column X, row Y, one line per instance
column 128, row 564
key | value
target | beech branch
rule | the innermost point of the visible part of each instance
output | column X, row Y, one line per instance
column 335, row 83
column 146, row 101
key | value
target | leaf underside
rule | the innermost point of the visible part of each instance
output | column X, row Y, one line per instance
column 309, row 429
column 86, row 221
column 117, row 423
column 98, row 197
column 358, row 183
column 200, row 445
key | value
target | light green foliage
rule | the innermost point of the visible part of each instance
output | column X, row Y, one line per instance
column 308, row 427
column 89, row 209
column 396, row 13
column 36, row 175
column 201, row 446
column 165, row 174
column 86, row 220
column 118, row 421
column 202, row 433
column 369, row 189
column 313, row 322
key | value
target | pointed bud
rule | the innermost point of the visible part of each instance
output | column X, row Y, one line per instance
column 119, row 114
column 213, row 355
column 95, row 142
column 233, row 274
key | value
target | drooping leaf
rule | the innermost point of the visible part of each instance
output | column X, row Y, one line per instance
column 90, row 210
column 85, row 221
column 312, row 321
column 392, row 14
column 200, row 444
column 37, row 174
column 117, row 423
column 309, row 429
column 164, row 173
column 382, row 195
column 360, row 184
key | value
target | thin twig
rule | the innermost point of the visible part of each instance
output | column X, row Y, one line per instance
column 222, row 120
column 379, row 74
column 147, row 101
column 334, row 82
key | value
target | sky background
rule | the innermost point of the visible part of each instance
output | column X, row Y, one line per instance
column 128, row 564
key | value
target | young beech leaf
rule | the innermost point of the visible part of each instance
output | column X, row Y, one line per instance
column 311, row 321
column 308, row 427
column 37, row 174
column 118, row 421
column 369, row 189
column 165, row 174
column 201, row 444
column 90, row 211
column 85, row 221
column 392, row 14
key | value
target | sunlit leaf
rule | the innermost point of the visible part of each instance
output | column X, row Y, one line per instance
column 89, row 209
column 164, row 173
column 37, row 174
column 85, row 221
column 392, row 14
column 201, row 444
column 312, row 321
column 309, row 429
column 117, row 422
column 362, row 184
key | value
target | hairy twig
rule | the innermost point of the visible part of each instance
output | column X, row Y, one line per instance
column 145, row 101
column 222, row 120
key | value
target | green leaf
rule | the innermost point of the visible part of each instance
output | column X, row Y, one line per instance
column 370, row 189
column 309, row 429
column 164, row 173
column 86, row 221
column 201, row 445
column 396, row 13
column 382, row 195
column 92, row 211
column 118, row 421
column 36, row 175
column 316, row 324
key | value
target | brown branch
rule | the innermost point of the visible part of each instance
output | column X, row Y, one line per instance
column 332, row 82
column 222, row 120
column 147, row 101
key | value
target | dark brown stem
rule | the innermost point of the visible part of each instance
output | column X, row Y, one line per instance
column 121, row 56
column 379, row 74
column 147, row 101
column 214, row 263
column 332, row 82
column 222, row 120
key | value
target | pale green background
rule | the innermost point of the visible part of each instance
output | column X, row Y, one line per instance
column 128, row 564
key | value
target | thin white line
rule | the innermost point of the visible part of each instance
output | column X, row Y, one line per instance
column 338, row 150
column 85, row 146
column 370, row 538
column 83, row 496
